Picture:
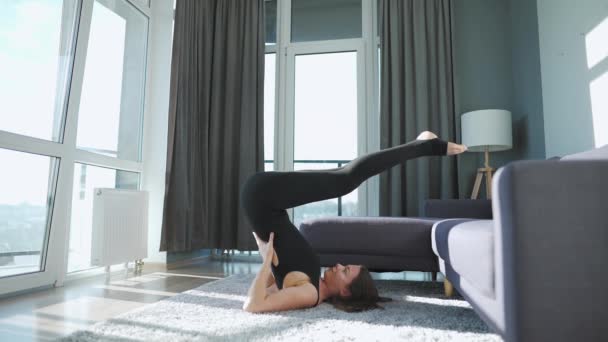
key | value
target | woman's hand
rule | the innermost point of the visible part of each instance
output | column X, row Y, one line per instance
column 266, row 249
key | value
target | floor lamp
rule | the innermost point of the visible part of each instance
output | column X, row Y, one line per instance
column 487, row 130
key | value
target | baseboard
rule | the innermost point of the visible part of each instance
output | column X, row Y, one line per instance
column 152, row 266
column 187, row 262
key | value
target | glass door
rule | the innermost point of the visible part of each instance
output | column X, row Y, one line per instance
column 325, row 111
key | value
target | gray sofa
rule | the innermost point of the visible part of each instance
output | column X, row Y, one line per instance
column 539, row 270
column 383, row 244
column 386, row 244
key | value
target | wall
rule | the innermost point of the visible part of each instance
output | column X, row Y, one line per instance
column 482, row 68
column 497, row 65
column 156, row 121
column 566, row 75
column 177, row 258
column 527, row 105
column 155, row 130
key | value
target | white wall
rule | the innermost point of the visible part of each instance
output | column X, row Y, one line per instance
column 483, row 73
column 575, row 118
column 156, row 120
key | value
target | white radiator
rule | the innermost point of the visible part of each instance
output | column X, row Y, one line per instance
column 120, row 226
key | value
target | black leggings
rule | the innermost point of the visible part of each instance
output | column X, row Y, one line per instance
column 267, row 195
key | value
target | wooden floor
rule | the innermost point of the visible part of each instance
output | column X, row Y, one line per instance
column 48, row 314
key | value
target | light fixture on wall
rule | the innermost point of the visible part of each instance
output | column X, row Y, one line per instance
column 487, row 130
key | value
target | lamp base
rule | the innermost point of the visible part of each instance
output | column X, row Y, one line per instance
column 483, row 171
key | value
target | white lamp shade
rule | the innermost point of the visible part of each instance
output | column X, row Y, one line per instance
column 487, row 129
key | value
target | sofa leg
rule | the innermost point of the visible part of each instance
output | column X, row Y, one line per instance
column 448, row 288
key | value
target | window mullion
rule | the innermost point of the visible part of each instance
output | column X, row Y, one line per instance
column 96, row 159
column 23, row 143
column 326, row 46
column 71, row 122
column 283, row 136
column 283, row 34
column 369, row 194
column 59, row 238
column 143, row 6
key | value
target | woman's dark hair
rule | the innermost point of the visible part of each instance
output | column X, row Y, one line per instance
column 364, row 295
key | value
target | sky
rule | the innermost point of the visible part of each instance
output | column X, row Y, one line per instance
column 325, row 107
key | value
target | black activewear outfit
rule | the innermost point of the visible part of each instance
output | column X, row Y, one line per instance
column 267, row 195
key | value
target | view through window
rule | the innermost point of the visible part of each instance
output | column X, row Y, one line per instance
column 43, row 89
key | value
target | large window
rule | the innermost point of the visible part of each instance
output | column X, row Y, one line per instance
column 72, row 92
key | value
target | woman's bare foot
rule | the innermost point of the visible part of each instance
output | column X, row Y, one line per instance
column 453, row 148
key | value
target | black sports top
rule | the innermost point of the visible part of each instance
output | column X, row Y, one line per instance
column 295, row 254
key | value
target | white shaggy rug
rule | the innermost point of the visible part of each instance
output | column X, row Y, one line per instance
column 213, row 312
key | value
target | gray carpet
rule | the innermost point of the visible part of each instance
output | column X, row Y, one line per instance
column 213, row 312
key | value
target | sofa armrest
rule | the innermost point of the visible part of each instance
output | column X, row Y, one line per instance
column 551, row 221
column 458, row 208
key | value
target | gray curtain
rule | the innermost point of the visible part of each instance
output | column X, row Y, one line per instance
column 215, row 137
column 416, row 94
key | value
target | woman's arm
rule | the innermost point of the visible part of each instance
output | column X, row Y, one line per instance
column 270, row 281
column 257, row 290
column 297, row 297
column 258, row 300
column 272, row 289
column 263, row 247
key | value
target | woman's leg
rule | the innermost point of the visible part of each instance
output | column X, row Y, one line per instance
column 283, row 190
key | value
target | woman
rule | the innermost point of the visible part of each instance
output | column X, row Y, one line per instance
column 290, row 274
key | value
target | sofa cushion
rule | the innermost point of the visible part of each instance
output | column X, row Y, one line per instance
column 467, row 246
column 600, row 153
column 380, row 236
